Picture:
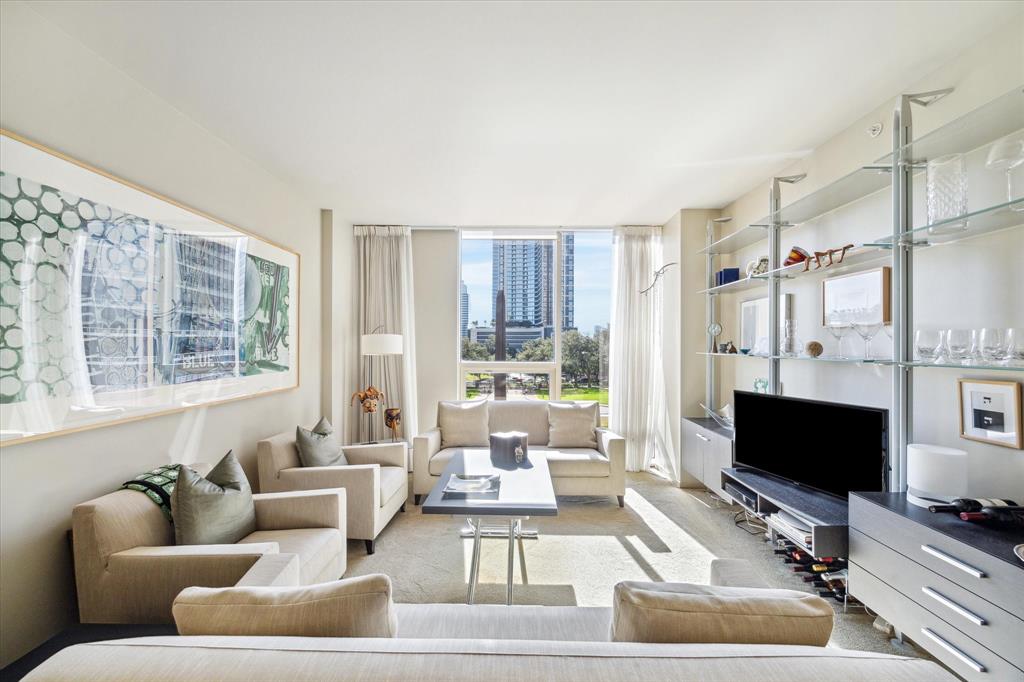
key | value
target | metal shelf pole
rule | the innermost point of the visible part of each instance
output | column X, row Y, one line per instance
column 774, row 282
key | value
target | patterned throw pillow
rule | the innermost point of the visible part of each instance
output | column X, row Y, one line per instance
column 317, row 446
column 215, row 509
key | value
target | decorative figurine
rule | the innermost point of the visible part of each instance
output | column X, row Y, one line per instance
column 796, row 255
column 819, row 256
column 368, row 398
column 758, row 267
column 730, row 348
column 392, row 420
column 814, row 349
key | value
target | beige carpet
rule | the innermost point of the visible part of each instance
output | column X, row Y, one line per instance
column 663, row 534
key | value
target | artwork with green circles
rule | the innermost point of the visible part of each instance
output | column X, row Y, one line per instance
column 116, row 303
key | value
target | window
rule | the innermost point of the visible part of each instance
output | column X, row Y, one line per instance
column 534, row 311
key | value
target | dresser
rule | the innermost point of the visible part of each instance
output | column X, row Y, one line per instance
column 953, row 587
column 706, row 450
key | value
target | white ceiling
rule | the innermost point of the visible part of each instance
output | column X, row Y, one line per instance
column 525, row 113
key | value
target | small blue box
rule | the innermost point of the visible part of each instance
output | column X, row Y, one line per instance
column 726, row 275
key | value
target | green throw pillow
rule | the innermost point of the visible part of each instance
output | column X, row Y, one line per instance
column 214, row 510
column 317, row 447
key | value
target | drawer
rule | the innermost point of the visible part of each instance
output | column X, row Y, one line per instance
column 997, row 630
column 990, row 578
column 957, row 651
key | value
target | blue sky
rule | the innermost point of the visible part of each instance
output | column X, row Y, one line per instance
column 593, row 285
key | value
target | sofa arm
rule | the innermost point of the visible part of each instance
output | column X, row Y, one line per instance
column 301, row 509
column 272, row 570
column 425, row 446
column 384, row 454
column 613, row 446
column 362, row 491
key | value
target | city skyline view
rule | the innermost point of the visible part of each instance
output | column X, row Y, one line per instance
column 591, row 280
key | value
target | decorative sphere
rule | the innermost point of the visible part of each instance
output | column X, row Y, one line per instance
column 814, row 349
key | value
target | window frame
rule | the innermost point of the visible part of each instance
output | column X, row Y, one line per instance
column 552, row 368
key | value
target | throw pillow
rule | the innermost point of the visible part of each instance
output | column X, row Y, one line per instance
column 681, row 613
column 352, row 607
column 571, row 425
column 215, row 509
column 317, row 446
column 463, row 424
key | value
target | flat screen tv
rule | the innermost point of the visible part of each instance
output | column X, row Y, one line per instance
column 830, row 447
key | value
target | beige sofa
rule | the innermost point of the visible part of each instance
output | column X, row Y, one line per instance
column 469, row 643
column 574, row 471
column 128, row 569
column 376, row 480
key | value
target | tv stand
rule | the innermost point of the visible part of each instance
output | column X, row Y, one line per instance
column 825, row 515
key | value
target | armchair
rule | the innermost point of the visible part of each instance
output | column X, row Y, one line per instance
column 128, row 569
column 376, row 480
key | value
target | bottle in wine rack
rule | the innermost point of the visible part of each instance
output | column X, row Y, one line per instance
column 970, row 504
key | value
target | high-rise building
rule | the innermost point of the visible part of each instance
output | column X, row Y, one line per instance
column 524, row 269
column 464, row 310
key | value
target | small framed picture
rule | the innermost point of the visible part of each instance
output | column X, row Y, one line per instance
column 990, row 412
column 861, row 294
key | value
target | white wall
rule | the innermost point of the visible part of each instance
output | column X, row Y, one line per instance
column 58, row 93
column 972, row 284
column 435, row 255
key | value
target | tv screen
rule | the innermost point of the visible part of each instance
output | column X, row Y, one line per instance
column 831, row 447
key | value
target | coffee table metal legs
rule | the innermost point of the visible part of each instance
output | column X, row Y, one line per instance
column 474, row 567
column 515, row 534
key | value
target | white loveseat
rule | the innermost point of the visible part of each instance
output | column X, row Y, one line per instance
column 574, row 471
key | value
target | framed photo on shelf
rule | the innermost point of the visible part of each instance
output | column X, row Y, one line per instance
column 990, row 412
column 118, row 304
column 754, row 323
column 842, row 295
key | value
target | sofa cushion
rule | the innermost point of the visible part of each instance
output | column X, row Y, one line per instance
column 529, row 416
column 684, row 612
column 463, row 423
column 491, row 621
column 356, row 607
column 213, row 510
column 576, row 462
column 315, row 547
column 318, row 447
column 392, row 480
column 572, row 425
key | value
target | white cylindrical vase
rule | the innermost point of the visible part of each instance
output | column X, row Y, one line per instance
column 935, row 474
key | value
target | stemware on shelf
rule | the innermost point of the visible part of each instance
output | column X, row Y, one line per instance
column 928, row 344
column 960, row 344
column 1006, row 154
column 946, row 193
column 1015, row 344
column 867, row 322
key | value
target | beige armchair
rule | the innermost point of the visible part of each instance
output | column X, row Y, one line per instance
column 128, row 569
column 376, row 480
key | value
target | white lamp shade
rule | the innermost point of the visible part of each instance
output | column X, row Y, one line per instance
column 935, row 473
column 381, row 344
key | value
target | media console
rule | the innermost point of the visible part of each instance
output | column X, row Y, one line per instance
column 763, row 495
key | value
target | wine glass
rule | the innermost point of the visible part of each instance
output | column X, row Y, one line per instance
column 960, row 344
column 867, row 322
column 927, row 343
column 1006, row 154
column 992, row 344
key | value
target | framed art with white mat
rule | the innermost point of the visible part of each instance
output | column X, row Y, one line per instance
column 990, row 412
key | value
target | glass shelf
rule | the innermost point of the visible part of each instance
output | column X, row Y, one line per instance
column 984, row 125
column 884, row 362
column 990, row 219
column 741, row 284
column 731, row 355
column 741, row 238
column 973, row 366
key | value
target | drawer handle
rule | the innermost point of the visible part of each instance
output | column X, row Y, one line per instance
column 703, row 438
column 953, row 561
column 953, row 606
column 964, row 658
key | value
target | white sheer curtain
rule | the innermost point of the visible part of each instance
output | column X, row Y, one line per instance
column 385, row 300
column 638, row 403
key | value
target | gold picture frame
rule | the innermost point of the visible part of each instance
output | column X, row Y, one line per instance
column 172, row 367
column 872, row 287
column 995, row 413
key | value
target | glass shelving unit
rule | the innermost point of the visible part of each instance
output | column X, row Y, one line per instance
column 895, row 173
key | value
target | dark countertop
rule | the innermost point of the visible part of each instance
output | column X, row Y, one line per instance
column 991, row 538
column 711, row 425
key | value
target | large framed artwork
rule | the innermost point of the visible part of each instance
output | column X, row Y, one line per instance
column 118, row 304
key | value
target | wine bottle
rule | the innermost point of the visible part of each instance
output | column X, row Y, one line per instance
column 1013, row 514
column 970, row 504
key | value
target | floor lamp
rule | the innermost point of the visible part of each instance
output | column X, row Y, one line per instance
column 372, row 345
